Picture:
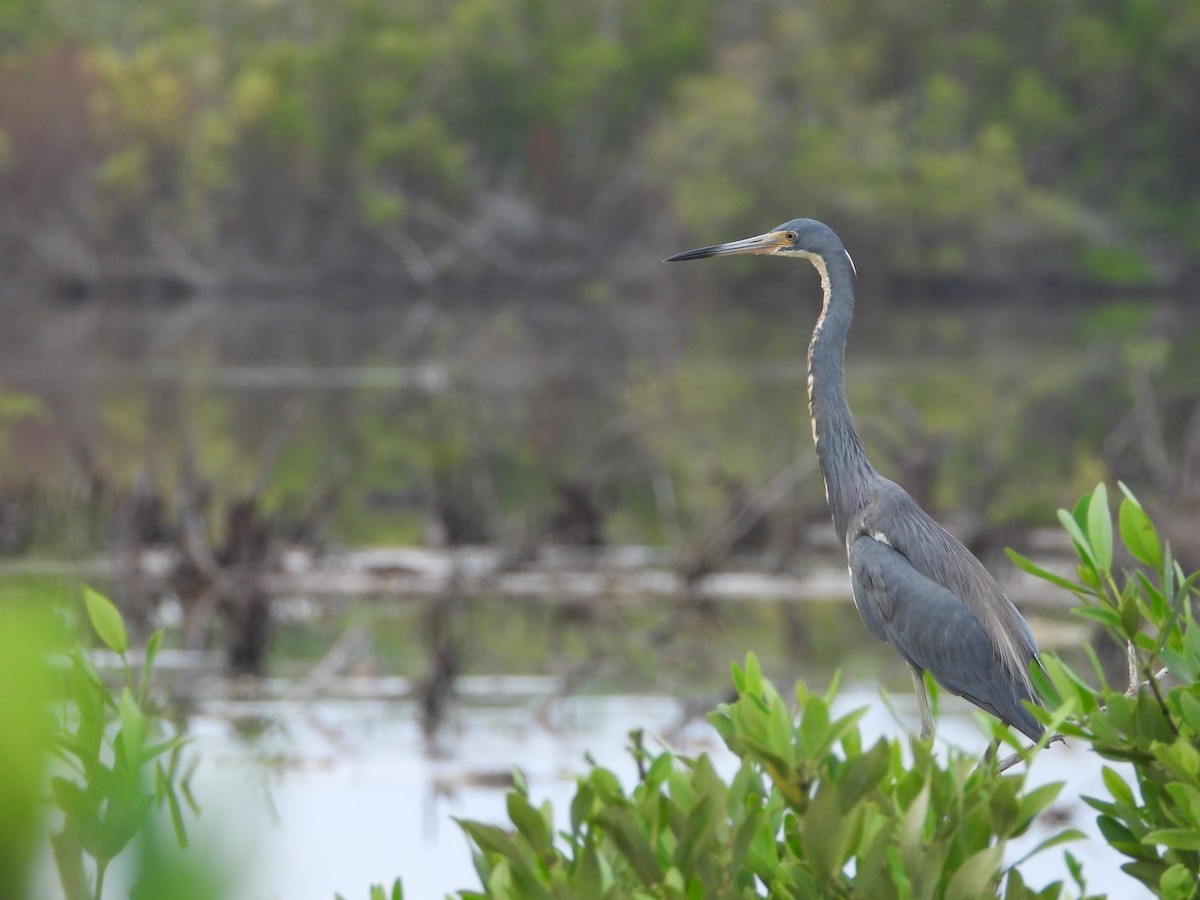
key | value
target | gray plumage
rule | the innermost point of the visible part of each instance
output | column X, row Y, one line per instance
column 915, row 585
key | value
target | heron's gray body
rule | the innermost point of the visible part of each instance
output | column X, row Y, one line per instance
column 918, row 588
column 915, row 585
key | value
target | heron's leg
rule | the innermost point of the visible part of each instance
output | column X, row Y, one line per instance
column 990, row 753
column 922, row 703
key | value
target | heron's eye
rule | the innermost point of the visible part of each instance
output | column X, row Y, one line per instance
column 790, row 237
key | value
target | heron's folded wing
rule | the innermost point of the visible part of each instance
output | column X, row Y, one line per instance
column 933, row 630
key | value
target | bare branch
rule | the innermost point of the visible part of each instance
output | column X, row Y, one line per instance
column 1009, row 761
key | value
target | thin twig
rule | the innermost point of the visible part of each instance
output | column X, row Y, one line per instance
column 1009, row 761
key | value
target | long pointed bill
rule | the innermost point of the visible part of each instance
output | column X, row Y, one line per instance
column 770, row 242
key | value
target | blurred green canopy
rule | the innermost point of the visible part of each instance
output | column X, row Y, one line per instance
column 991, row 141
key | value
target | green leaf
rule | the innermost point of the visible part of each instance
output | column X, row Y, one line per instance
column 589, row 878
column 607, row 785
column 1105, row 615
column 745, row 835
column 739, row 678
column 1175, row 838
column 1028, row 566
column 1187, row 799
column 152, row 647
column 753, row 676
column 977, row 875
column 1075, row 867
column 623, row 830
column 1117, row 787
column 91, row 700
column 1153, row 596
column 500, row 883
column 1036, row 800
column 106, row 620
column 1071, row 525
column 1183, row 666
column 1044, row 685
column 1177, row 883
column 133, row 728
column 1189, row 708
column 835, row 685
column 492, row 840
column 814, row 728
column 1138, row 532
column 168, row 790
column 1191, row 637
column 1015, row 885
column 153, row 750
column 518, row 780
column 825, row 833
column 912, row 828
column 1181, row 758
column 529, row 823
column 863, row 773
column 1066, row 677
column 1061, row 837
column 78, row 804
column 898, row 872
column 1099, row 528
column 1121, row 838
column 659, row 770
column 1097, row 666
column 699, row 826
column 1130, row 613
column 582, row 805
column 1147, row 871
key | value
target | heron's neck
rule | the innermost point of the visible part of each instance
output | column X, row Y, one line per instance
column 843, row 462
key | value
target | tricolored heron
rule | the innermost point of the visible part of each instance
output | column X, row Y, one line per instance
column 915, row 585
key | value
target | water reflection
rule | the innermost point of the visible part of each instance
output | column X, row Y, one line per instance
column 410, row 411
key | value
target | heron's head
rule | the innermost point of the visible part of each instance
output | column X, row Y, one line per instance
column 806, row 238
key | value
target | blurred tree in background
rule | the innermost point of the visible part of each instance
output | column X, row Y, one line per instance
column 285, row 141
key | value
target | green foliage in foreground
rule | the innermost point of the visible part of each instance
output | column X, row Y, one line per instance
column 25, row 739
column 1153, row 723
column 809, row 813
column 812, row 813
column 89, row 762
column 112, row 746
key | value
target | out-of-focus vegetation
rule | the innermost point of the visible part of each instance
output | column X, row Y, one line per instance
column 92, row 768
column 296, row 139
column 300, row 139
column 578, row 424
column 113, row 748
column 989, row 140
